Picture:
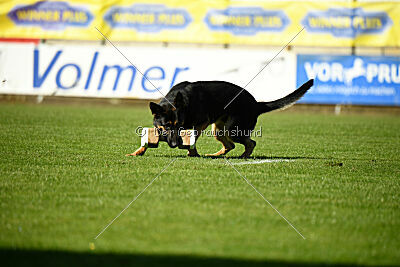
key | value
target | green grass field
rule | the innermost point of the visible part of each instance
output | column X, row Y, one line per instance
column 64, row 177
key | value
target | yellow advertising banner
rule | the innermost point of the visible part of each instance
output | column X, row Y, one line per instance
column 373, row 24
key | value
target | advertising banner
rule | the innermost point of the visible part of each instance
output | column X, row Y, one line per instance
column 101, row 71
column 72, row 20
column 324, row 23
column 350, row 79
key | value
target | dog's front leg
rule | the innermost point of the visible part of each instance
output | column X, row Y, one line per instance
column 197, row 131
column 139, row 152
column 193, row 153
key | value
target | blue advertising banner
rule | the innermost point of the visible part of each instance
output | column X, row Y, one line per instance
column 359, row 80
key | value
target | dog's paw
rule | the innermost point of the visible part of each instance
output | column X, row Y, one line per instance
column 139, row 152
column 222, row 152
column 193, row 154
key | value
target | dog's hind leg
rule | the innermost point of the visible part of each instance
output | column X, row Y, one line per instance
column 249, row 146
column 241, row 131
column 227, row 145
column 220, row 135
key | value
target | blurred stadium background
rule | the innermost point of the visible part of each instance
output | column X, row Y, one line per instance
column 63, row 175
column 57, row 48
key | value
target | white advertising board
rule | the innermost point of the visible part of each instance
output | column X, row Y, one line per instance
column 101, row 71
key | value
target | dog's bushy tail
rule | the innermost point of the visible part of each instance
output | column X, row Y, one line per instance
column 286, row 101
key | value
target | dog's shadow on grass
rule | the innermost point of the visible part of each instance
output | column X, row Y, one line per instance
column 268, row 157
column 258, row 157
column 40, row 258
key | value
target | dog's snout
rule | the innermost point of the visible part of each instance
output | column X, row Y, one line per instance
column 173, row 144
column 174, row 139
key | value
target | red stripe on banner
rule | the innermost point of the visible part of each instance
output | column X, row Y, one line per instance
column 19, row 40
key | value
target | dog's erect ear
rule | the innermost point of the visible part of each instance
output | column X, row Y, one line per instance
column 156, row 108
column 179, row 102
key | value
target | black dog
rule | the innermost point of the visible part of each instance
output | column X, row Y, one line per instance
column 199, row 104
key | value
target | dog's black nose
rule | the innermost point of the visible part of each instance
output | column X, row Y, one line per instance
column 172, row 144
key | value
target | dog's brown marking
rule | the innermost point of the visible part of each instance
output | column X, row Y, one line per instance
column 139, row 152
column 153, row 137
column 219, row 130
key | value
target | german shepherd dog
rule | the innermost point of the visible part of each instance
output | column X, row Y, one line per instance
column 197, row 105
